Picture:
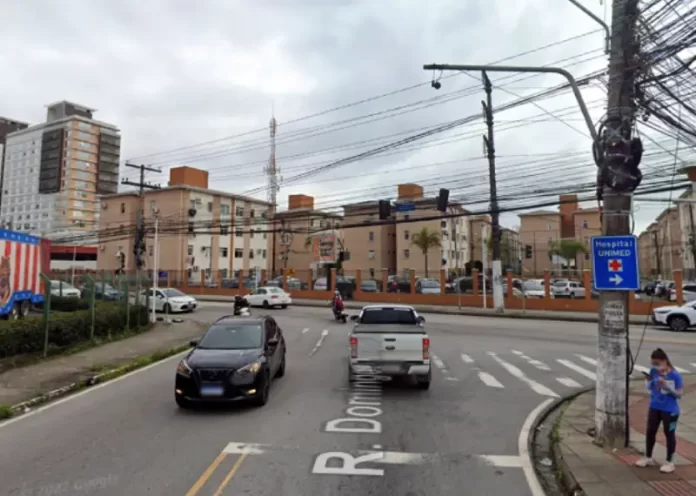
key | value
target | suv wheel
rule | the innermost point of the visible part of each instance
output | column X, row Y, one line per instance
column 678, row 323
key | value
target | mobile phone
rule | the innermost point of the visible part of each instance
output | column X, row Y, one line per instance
column 646, row 375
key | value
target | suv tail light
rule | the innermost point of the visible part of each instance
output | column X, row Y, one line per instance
column 353, row 347
column 426, row 348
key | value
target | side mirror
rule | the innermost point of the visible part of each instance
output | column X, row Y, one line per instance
column 354, row 318
column 421, row 320
column 193, row 343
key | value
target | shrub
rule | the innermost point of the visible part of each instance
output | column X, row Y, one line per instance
column 65, row 304
column 66, row 328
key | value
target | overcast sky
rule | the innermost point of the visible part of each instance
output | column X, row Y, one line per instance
column 183, row 80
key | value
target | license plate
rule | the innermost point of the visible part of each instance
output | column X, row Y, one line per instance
column 212, row 391
column 388, row 369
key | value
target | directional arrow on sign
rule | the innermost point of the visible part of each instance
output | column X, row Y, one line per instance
column 616, row 279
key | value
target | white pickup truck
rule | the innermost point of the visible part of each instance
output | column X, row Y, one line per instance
column 390, row 340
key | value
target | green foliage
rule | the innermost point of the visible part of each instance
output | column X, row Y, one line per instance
column 425, row 239
column 26, row 336
column 66, row 304
column 567, row 249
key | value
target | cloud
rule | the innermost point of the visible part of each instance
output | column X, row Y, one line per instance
column 175, row 73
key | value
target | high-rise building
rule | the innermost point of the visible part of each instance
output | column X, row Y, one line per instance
column 7, row 126
column 54, row 172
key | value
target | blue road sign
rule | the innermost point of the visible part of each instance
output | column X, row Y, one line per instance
column 404, row 207
column 615, row 263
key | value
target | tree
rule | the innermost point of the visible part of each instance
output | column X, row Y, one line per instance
column 567, row 249
column 508, row 257
column 425, row 239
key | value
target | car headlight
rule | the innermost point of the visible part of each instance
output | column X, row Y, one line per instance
column 252, row 368
column 184, row 369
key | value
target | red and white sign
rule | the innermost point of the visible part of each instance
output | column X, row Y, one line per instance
column 615, row 266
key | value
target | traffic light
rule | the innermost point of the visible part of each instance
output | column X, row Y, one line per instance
column 384, row 209
column 528, row 251
column 442, row 200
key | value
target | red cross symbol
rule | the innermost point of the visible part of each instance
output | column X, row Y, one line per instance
column 615, row 265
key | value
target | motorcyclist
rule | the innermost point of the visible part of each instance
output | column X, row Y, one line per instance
column 337, row 303
column 241, row 306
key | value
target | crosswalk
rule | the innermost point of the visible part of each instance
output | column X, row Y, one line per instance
column 502, row 370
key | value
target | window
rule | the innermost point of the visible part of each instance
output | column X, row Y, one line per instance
column 372, row 236
column 251, row 254
column 251, row 213
column 223, row 252
column 549, row 227
column 224, row 210
column 407, row 234
column 224, row 231
column 371, row 254
column 263, row 253
column 84, row 125
column 191, row 227
column 123, row 208
column 407, row 253
column 210, row 206
column 264, row 215
column 192, row 204
column 239, row 232
column 251, row 233
column 239, row 211
column 406, row 217
column 150, row 250
column 190, row 249
column 238, row 253
column 84, row 145
column 265, row 235
column 153, row 205
column 83, row 155
column 584, row 224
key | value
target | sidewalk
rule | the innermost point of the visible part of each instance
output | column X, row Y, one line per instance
column 447, row 310
column 24, row 383
column 599, row 472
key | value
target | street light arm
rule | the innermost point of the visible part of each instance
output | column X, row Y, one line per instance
column 598, row 20
column 539, row 70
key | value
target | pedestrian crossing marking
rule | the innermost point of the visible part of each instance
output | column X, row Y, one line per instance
column 532, row 361
column 589, row 360
column 516, row 372
column 577, row 368
column 489, row 380
column 467, row 358
column 568, row 382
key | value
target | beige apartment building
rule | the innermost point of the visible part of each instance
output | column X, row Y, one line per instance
column 479, row 245
column 372, row 247
column 54, row 172
column 645, row 253
column 300, row 231
column 201, row 231
column 588, row 223
column 667, row 253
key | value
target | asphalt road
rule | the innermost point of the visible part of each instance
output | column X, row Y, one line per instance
column 461, row 436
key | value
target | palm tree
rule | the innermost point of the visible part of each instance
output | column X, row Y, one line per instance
column 567, row 249
column 425, row 239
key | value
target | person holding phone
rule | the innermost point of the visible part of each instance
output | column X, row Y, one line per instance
column 665, row 386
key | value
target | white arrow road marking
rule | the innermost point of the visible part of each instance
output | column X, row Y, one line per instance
column 324, row 333
column 616, row 279
column 536, row 387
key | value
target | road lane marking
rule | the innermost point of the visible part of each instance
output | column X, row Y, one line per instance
column 578, row 369
column 245, row 449
column 324, row 333
column 305, row 330
column 502, row 461
column 516, row 372
column 203, row 479
column 586, row 359
column 467, row 358
column 523, row 449
column 489, row 380
column 568, row 382
column 230, row 475
column 439, row 363
column 443, row 368
column 396, row 457
column 532, row 361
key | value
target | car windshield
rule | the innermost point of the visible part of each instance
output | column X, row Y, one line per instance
column 560, row 284
column 429, row 283
column 369, row 283
column 232, row 337
column 171, row 293
column 274, row 290
column 404, row 316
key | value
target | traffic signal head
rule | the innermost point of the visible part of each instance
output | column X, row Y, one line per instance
column 384, row 209
column 528, row 251
column 443, row 200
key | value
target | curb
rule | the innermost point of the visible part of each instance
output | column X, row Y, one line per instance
column 23, row 407
column 591, row 318
column 568, row 481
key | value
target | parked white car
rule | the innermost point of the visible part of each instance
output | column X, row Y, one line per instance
column 169, row 300
column 269, row 297
column 534, row 288
column 567, row 289
column 688, row 292
column 64, row 289
column 678, row 318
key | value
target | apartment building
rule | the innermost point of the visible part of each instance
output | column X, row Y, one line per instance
column 480, row 245
column 301, row 230
column 54, row 171
column 645, row 253
column 667, row 242
column 539, row 230
column 454, row 233
column 588, row 223
column 7, row 126
column 372, row 247
column 200, row 230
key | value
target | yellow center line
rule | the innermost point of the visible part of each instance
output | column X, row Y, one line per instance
column 206, row 475
column 227, row 480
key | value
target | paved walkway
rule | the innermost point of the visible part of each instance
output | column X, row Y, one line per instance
column 23, row 383
column 599, row 472
column 474, row 311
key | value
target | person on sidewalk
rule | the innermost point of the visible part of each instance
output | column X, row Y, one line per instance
column 665, row 386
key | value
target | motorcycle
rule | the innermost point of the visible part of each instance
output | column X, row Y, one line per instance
column 339, row 315
column 241, row 307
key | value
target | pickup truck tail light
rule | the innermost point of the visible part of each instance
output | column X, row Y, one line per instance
column 426, row 348
column 354, row 347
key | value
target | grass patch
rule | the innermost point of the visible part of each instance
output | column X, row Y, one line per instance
column 5, row 412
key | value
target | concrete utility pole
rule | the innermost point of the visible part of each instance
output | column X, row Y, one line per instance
column 692, row 242
column 139, row 243
column 618, row 157
column 489, row 144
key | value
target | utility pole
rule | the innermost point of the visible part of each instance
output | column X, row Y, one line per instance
column 489, row 144
column 618, row 156
column 139, row 243
column 692, row 242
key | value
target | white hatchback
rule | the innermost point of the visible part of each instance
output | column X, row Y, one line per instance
column 269, row 297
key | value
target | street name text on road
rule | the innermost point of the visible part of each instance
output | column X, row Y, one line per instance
column 615, row 263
